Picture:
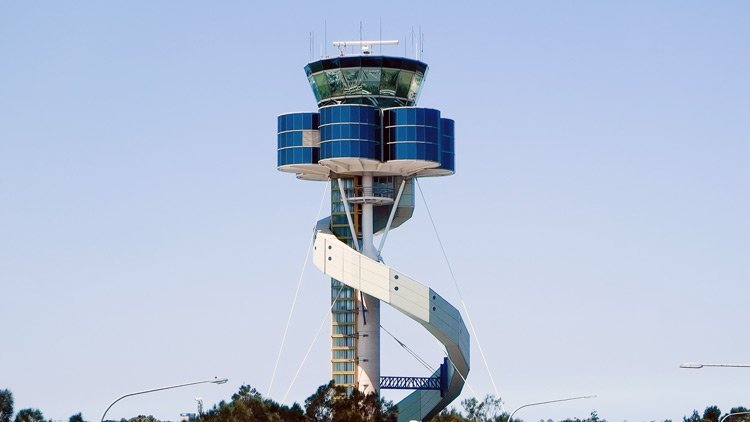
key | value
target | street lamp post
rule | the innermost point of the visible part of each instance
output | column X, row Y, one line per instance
column 213, row 381
column 714, row 365
column 733, row 414
column 547, row 402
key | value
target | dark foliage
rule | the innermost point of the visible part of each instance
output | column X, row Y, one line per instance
column 328, row 404
column 331, row 403
column 29, row 415
column 6, row 405
column 712, row 413
column 76, row 418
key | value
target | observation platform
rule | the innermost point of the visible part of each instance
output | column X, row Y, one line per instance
column 380, row 81
column 375, row 196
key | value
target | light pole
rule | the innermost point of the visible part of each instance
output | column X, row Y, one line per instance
column 213, row 381
column 547, row 402
column 714, row 365
column 733, row 414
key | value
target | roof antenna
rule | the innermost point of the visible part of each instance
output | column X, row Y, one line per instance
column 412, row 42
column 380, row 38
column 366, row 45
column 325, row 37
column 421, row 43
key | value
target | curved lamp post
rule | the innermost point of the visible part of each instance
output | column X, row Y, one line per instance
column 733, row 414
column 713, row 365
column 547, row 402
column 213, row 381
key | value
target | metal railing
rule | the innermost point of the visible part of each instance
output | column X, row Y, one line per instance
column 410, row 383
column 373, row 192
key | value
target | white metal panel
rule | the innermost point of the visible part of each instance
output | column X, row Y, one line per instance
column 351, row 266
column 429, row 399
column 374, row 278
column 319, row 252
column 444, row 316
column 334, row 262
column 411, row 297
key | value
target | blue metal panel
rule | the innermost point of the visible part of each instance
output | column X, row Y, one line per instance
column 298, row 121
column 297, row 139
column 350, row 131
column 297, row 155
column 447, row 145
column 412, row 133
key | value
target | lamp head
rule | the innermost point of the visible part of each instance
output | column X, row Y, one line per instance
column 691, row 366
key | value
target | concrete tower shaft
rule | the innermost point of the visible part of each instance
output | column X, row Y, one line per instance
column 368, row 327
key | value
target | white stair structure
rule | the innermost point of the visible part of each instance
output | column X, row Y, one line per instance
column 337, row 260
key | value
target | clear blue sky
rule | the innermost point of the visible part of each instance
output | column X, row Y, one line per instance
column 598, row 223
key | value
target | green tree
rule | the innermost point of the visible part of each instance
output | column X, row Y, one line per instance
column 593, row 417
column 76, row 418
column 248, row 405
column 331, row 403
column 318, row 407
column 6, row 405
column 487, row 410
column 363, row 407
column 739, row 418
column 712, row 413
column 143, row 418
column 695, row 417
column 451, row 415
column 29, row 415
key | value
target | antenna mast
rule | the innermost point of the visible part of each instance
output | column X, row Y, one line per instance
column 421, row 43
column 380, row 35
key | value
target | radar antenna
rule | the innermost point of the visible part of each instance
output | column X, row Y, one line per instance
column 366, row 50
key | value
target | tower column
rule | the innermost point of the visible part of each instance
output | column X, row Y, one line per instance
column 368, row 247
column 368, row 324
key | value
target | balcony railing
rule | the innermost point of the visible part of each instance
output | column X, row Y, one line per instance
column 383, row 192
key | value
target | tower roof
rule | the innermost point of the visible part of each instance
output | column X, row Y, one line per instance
column 381, row 81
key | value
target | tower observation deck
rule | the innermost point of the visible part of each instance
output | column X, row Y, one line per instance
column 370, row 141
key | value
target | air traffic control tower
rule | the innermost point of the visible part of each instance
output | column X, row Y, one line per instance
column 370, row 141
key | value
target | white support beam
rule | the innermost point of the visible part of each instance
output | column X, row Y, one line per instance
column 348, row 214
column 390, row 217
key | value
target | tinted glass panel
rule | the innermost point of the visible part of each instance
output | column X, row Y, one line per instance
column 370, row 81
column 321, row 83
column 404, row 83
column 388, row 81
column 353, row 80
column 335, row 82
column 414, row 89
column 314, row 87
